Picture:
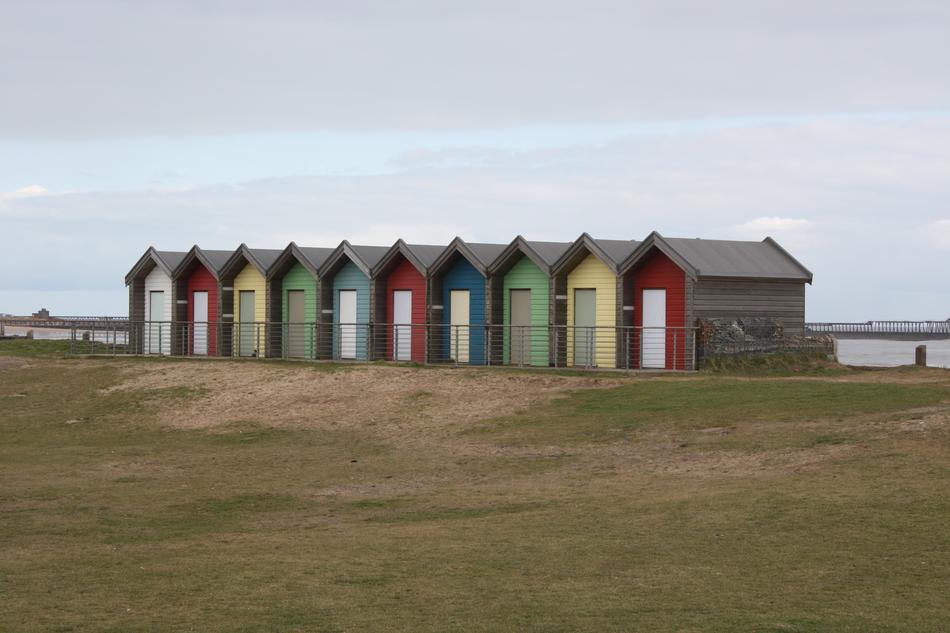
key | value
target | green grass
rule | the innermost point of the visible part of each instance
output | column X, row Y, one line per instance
column 705, row 503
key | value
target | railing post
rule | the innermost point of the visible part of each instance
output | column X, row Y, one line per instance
column 675, row 339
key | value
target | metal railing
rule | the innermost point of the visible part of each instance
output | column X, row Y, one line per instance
column 881, row 327
column 587, row 347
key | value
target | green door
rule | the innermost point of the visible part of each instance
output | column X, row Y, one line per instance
column 585, row 319
column 247, row 325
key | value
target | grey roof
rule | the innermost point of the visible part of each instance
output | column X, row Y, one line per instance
column 316, row 255
column 370, row 254
column 217, row 258
column 727, row 258
column 486, row 252
column 266, row 256
column 171, row 258
column 426, row 253
column 617, row 250
column 550, row 252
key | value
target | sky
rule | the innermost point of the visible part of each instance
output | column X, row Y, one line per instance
column 825, row 125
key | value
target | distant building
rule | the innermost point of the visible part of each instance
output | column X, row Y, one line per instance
column 42, row 313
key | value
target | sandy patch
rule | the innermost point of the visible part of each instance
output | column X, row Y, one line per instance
column 395, row 400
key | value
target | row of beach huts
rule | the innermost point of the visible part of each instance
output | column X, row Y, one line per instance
column 587, row 303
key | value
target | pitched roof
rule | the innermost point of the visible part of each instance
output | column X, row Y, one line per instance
column 487, row 253
column 549, row 252
column 370, row 254
column 611, row 252
column 426, row 253
column 726, row 258
column 617, row 250
column 316, row 255
column 266, row 256
column 217, row 259
column 168, row 261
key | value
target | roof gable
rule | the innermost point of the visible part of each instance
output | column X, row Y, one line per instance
column 479, row 255
column 543, row 254
column 167, row 261
column 610, row 252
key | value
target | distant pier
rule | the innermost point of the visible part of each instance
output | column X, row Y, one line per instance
column 884, row 330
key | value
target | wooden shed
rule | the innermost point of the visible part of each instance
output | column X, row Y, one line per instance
column 588, row 310
column 521, row 291
column 460, row 302
column 672, row 282
column 198, row 301
column 294, row 301
column 345, row 297
column 400, row 300
column 151, row 301
column 244, row 291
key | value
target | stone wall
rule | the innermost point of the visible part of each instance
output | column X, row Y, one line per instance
column 754, row 336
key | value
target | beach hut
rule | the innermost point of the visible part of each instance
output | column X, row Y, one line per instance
column 459, row 301
column 345, row 297
column 244, row 292
column 294, row 292
column 520, row 281
column 400, row 300
column 671, row 282
column 198, row 301
column 588, row 310
column 151, row 301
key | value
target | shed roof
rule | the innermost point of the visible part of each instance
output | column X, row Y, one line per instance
column 316, row 255
column 542, row 254
column 549, row 252
column 217, row 259
column 725, row 258
column 168, row 261
column 487, row 253
column 611, row 252
column 426, row 253
column 370, row 254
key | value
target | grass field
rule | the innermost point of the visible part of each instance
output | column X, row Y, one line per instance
column 151, row 495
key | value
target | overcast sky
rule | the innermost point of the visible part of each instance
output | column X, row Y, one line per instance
column 823, row 124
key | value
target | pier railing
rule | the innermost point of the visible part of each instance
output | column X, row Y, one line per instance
column 923, row 328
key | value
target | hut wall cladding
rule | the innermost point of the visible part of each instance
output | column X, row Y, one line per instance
column 201, row 280
column 350, row 277
column 406, row 277
column 299, row 278
column 525, row 275
column 464, row 276
column 660, row 272
column 158, row 281
column 593, row 273
column 742, row 298
column 250, row 279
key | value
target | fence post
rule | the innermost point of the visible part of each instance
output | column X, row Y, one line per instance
column 675, row 341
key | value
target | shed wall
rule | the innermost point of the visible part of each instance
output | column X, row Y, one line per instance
column 200, row 280
column 593, row 273
column 525, row 274
column 299, row 278
column 157, row 280
column 659, row 272
column 250, row 279
column 406, row 277
column 735, row 299
column 350, row 277
column 464, row 276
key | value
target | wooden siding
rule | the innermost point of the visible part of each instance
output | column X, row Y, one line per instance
column 736, row 299
column 593, row 273
column 659, row 272
column 406, row 277
column 350, row 277
column 299, row 278
column 158, row 281
column 464, row 276
column 525, row 274
column 200, row 280
column 250, row 279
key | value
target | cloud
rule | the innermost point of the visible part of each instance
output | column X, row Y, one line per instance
column 116, row 69
column 24, row 192
column 938, row 233
column 821, row 197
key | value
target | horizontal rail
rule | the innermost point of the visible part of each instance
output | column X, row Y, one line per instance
column 621, row 347
column 880, row 327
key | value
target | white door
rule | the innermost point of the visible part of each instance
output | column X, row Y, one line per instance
column 458, row 333
column 347, row 324
column 402, row 331
column 653, row 348
column 200, row 323
column 156, row 312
